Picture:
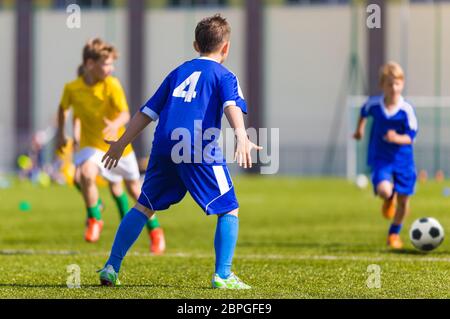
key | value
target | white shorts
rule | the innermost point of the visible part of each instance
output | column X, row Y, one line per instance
column 127, row 168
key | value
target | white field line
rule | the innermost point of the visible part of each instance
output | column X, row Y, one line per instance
column 418, row 258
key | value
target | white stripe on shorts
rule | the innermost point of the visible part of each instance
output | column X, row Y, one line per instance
column 221, row 179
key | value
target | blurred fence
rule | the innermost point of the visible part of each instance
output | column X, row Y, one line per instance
column 306, row 53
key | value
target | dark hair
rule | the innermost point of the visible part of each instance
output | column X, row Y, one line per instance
column 211, row 32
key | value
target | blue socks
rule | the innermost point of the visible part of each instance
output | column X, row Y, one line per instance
column 129, row 230
column 395, row 229
column 133, row 223
column 225, row 242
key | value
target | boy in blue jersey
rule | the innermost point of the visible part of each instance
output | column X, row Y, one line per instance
column 190, row 102
column 390, row 154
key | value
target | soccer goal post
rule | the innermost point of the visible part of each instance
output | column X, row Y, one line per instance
column 431, row 147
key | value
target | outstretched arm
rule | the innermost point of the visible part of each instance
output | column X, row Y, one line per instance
column 61, row 139
column 76, row 131
column 112, row 126
column 137, row 124
column 244, row 145
column 359, row 133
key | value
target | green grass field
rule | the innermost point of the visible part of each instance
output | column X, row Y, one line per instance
column 298, row 238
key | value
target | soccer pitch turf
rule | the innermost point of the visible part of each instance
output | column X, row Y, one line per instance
column 298, row 238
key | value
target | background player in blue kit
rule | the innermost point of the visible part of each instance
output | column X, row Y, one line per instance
column 390, row 153
column 192, row 99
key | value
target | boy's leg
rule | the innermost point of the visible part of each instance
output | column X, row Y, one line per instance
column 394, row 240
column 382, row 176
column 127, row 233
column 89, row 171
column 119, row 197
column 225, row 242
column 162, row 188
column 77, row 179
column 155, row 232
column 88, row 174
column 212, row 188
column 404, row 185
column 385, row 189
column 77, row 184
column 402, row 209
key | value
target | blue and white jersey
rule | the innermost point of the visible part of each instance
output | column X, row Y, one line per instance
column 402, row 119
column 191, row 100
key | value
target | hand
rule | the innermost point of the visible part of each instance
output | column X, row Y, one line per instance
column 358, row 135
column 243, row 149
column 111, row 131
column 61, row 142
column 112, row 156
column 391, row 136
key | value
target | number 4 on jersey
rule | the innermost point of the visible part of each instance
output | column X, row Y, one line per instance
column 190, row 94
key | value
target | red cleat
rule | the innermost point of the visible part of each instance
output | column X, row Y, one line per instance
column 157, row 241
column 93, row 229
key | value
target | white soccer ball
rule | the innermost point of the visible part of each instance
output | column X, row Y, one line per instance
column 362, row 181
column 426, row 234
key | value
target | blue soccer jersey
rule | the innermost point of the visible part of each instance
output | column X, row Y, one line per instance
column 192, row 99
column 402, row 119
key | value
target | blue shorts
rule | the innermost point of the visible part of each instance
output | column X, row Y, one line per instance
column 166, row 183
column 404, row 178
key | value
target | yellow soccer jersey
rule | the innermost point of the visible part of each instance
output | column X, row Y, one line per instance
column 91, row 104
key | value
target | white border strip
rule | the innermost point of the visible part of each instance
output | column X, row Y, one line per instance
column 229, row 103
column 150, row 113
column 418, row 258
column 221, row 179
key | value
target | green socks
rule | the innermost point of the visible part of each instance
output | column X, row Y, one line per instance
column 153, row 223
column 99, row 203
column 95, row 212
column 122, row 204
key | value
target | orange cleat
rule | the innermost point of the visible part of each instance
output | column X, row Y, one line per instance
column 93, row 229
column 157, row 241
column 394, row 241
column 389, row 207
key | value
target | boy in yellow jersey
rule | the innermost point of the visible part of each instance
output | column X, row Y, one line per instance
column 99, row 102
